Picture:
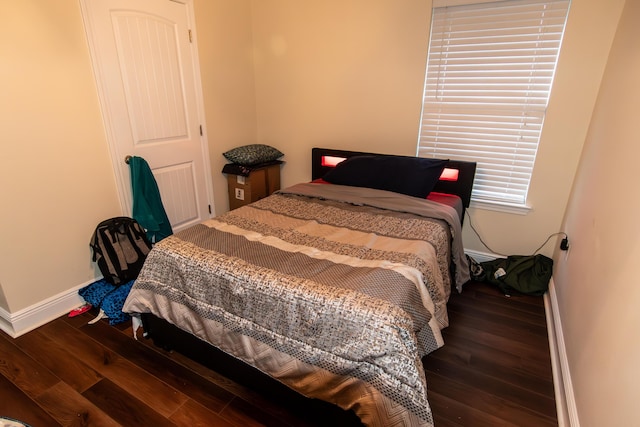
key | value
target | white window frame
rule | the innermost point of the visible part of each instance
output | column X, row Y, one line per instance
column 489, row 75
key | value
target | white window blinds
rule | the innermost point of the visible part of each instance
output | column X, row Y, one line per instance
column 489, row 73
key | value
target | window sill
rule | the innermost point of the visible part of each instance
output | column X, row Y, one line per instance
column 501, row 207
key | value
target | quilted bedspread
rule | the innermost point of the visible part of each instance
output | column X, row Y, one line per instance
column 337, row 292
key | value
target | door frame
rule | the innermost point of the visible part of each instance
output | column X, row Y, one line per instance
column 120, row 170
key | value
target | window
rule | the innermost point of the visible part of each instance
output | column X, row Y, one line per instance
column 489, row 73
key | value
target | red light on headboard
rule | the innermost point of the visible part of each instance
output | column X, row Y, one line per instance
column 332, row 161
column 449, row 174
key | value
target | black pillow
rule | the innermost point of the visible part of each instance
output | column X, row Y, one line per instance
column 413, row 176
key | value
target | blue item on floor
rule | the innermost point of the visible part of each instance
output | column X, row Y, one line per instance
column 109, row 298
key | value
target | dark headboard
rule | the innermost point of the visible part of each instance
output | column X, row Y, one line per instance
column 460, row 187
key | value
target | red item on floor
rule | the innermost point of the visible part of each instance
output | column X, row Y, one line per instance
column 78, row 311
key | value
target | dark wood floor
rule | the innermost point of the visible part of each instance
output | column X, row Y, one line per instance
column 494, row 370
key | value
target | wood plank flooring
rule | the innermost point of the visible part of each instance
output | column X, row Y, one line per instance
column 494, row 370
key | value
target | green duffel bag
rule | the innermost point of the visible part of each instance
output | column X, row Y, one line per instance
column 527, row 274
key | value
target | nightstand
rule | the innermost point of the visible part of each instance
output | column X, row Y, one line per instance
column 248, row 184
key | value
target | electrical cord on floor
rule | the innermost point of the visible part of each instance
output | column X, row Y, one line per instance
column 498, row 253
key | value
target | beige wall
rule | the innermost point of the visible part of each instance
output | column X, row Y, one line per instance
column 225, row 46
column 56, row 174
column 57, row 180
column 3, row 300
column 345, row 74
column 596, row 282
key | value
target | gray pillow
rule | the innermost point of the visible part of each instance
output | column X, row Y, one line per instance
column 252, row 154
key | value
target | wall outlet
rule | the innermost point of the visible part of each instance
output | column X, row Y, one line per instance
column 240, row 179
column 239, row 194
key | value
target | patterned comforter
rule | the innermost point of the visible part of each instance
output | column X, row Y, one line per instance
column 335, row 291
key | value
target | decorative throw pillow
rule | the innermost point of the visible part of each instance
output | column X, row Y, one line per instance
column 253, row 154
column 413, row 176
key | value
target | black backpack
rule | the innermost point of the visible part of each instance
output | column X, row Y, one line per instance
column 120, row 247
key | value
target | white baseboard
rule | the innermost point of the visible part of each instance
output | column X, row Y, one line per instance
column 565, row 399
column 23, row 321
column 481, row 256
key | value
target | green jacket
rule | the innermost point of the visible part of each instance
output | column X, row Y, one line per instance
column 148, row 209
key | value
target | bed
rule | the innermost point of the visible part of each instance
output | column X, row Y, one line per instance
column 335, row 291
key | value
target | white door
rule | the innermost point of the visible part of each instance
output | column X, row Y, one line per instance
column 148, row 79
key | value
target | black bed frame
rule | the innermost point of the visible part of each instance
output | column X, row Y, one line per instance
column 169, row 337
column 461, row 188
